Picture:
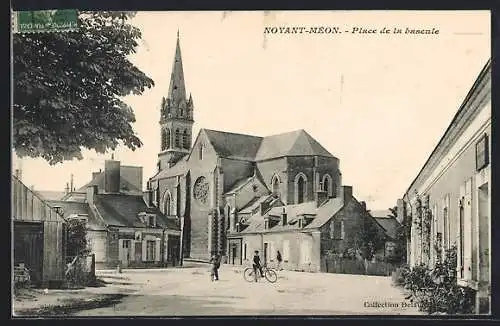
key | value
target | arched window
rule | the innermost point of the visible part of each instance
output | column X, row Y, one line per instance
column 300, row 188
column 167, row 139
column 185, row 138
column 327, row 185
column 275, row 184
column 167, row 204
column 177, row 138
column 163, row 140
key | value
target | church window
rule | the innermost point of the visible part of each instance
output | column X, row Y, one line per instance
column 167, row 204
column 200, row 152
column 276, row 186
column 185, row 138
column 163, row 140
column 177, row 138
column 200, row 190
column 327, row 185
column 300, row 188
column 167, row 138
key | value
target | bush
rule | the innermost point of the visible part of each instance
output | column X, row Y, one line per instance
column 400, row 274
column 436, row 290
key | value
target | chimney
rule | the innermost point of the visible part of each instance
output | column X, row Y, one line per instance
column 112, row 176
column 71, row 184
column 284, row 217
column 66, row 190
column 91, row 192
column 346, row 193
column 363, row 205
column 400, row 210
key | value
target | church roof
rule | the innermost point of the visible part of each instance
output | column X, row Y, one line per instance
column 294, row 143
column 232, row 145
column 254, row 148
column 180, row 168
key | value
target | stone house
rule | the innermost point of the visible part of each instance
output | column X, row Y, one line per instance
column 122, row 228
column 449, row 201
column 303, row 233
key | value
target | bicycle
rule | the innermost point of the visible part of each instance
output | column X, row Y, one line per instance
column 269, row 274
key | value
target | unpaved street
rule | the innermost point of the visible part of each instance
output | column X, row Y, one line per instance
column 189, row 291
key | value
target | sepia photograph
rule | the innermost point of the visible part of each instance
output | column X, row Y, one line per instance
column 250, row 163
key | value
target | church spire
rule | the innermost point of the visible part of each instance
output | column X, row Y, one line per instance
column 177, row 89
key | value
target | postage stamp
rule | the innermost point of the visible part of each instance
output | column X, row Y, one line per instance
column 64, row 20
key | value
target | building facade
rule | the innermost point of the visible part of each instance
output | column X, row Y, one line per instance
column 222, row 181
column 449, row 201
column 122, row 229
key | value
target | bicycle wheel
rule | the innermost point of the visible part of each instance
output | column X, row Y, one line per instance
column 271, row 275
column 248, row 275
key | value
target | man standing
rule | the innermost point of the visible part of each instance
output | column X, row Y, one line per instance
column 214, row 273
column 279, row 259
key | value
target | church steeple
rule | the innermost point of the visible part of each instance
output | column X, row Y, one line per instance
column 177, row 89
column 176, row 116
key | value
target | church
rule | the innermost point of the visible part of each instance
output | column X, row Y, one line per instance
column 230, row 191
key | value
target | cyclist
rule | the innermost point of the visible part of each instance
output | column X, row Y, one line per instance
column 256, row 264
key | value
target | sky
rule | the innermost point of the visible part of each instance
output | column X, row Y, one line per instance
column 378, row 102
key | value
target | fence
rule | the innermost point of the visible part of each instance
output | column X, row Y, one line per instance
column 354, row 266
column 80, row 270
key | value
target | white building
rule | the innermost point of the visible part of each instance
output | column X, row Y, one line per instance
column 454, row 186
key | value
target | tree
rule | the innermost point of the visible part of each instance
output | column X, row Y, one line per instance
column 68, row 88
column 401, row 234
column 76, row 237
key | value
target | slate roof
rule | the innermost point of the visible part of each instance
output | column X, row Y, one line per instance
column 254, row 148
column 123, row 210
column 180, row 168
column 254, row 204
column 321, row 215
column 294, row 143
column 73, row 207
column 99, row 181
column 390, row 226
column 232, row 145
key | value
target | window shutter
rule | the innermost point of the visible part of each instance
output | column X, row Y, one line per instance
column 158, row 250
column 144, row 250
column 120, row 250
column 468, row 230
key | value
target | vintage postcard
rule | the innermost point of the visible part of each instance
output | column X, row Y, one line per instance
column 251, row 163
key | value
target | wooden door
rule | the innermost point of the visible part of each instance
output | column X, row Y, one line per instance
column 28, row 248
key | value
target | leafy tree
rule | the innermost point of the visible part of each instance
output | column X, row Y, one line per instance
column 76, row 237
column 402, row 234
column 68, row 88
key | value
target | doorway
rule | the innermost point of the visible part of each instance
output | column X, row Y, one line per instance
column 28, row 248
column 235, row 257
column 266, row 246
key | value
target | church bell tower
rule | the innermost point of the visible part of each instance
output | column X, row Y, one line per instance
column 176, row 121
